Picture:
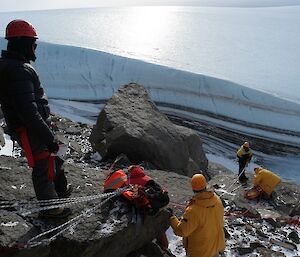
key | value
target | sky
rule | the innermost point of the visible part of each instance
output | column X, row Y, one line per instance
column 18, row 5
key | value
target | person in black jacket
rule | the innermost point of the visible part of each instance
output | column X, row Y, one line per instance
column 26, row 112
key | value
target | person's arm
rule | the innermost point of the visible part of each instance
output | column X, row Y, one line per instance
column 239, row 153
column 24, row 102
column 155, row 186
column 186, row 225
column 256, row 180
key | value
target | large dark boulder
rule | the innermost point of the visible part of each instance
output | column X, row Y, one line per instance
column 110, row 234
column 130, row 123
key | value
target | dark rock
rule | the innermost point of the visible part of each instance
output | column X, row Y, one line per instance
column 261, row 233
column 255, row 245
column 12, row 228
column 284, row 244
column 130, row 123
column 294, row 237
column 244, row 250
column 72, row 130
column 114, row 236
column 295, row 211
column 268, row 252
column 287, row 198
column 151, row 250
column 227, row 234
column 272, row 222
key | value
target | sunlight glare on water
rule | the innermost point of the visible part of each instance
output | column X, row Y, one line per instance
column 145, row 28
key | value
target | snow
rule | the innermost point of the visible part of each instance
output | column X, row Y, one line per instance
column 9, row 224
column 175, row 243
column 8, row 147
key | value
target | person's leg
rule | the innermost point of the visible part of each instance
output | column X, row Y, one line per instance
column 162, row 241
column 242, row 165
column 43, row 188
column 265, row 196
column 60, row 179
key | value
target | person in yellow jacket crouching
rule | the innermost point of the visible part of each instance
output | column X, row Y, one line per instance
column 202, row 223
column 264, row 183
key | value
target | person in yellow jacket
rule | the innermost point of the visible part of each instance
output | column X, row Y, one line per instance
column 265, row 181
column 202, row 223
column 244, row 155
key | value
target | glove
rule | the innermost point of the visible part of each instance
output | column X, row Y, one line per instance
column 170, row 211
column 53, row 147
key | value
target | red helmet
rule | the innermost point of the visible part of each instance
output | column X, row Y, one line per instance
column 20, row 28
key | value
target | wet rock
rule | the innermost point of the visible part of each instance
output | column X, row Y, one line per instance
column 130, row 123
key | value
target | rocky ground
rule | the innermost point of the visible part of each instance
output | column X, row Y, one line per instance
column 252, row 228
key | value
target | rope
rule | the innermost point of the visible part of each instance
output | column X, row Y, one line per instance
column 7, row 204
column 25, row 208
column 67, row 225
column 294, row 221
column 234, row 183
column 66, row 204
column 13, row 203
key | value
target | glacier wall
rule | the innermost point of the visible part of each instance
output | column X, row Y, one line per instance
column 75, row 73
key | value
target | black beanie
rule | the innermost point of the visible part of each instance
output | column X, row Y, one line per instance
column 23, row 46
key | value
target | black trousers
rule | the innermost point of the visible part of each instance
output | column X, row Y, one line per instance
column 45, row 189
column 242, row 165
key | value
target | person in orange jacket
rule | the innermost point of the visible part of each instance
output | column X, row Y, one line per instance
column 264, row 182
column 139, row 180
column 201, row 225
column 115, row 180
column 137, row 177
